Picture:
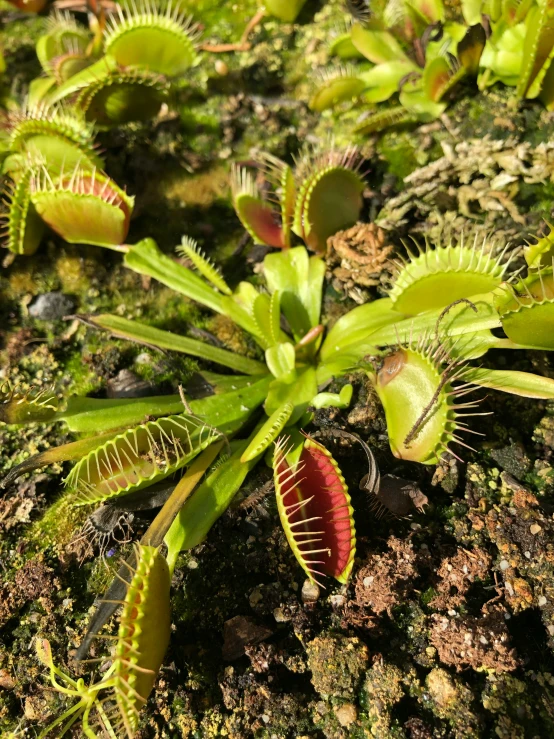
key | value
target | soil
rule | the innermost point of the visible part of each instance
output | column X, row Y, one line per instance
column 447, row 627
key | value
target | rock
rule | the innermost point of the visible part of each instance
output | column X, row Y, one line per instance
column 346, row 714
column 310, row 591
column 6, row 680
column 127, row 385
column 240, row 632
column 51, row 306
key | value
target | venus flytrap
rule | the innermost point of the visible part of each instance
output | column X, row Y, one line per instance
column 113, row 704
column 414, row 351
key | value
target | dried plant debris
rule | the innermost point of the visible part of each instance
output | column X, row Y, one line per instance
column 33, row 581
column 477, row 179
column 357, row 258
column 522, row 534
column 386, row 580
column 457, row 574
column 479, row 643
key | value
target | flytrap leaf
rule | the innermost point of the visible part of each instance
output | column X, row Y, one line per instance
column 23, row 228
column 437, row 277
column 111, row 706
column 209, row 502
column 268, row 432
column 136, row 331
column 298, row 278
column 139, row 457
column 226, row 410
column 470, row 48
column 85, row 207
column 280, row 175
column 53, row 134
column 340, row 85
column 33, row 406
column 147, row 37
column 122, row 97
column 143, row 637
column 257, row 216
column 418, row 399
column 189, row 248
column 63, row 34
column 329, row 198
column 285, row 10
column 541, row 253
column 537, row 46
column 524, row 384
column 527, row 310
column 315, row 511
column 146, row 258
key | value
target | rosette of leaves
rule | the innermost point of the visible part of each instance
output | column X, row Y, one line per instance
column 420, row 57
column 416, row 56
column 320, row 196
column 143, row 48
column 418, row 365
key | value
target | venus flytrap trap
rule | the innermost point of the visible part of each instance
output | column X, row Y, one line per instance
column 315, row 510
column 285, row 10
column 82, row 206
column 320, row 196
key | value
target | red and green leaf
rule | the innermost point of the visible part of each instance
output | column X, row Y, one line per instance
column 315, row 511
column 257, row 216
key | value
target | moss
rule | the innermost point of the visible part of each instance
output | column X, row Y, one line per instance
column 452, row 700
column 337, row 664
column 382, row 690
column 401, row 154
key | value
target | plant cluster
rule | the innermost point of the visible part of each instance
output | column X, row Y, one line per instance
column 420, row 57
column 414, row 345
column 449, row 304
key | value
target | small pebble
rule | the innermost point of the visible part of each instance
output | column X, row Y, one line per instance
column 221, row 68
column 6, row 680
column 542, row 601
column 368, row 581
column 280, row 616
column 255, row 597
column 192, row 564
column 551, row 629
column 51, row 306
column 535, row 528
column 310, row 591
column 504, row 565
